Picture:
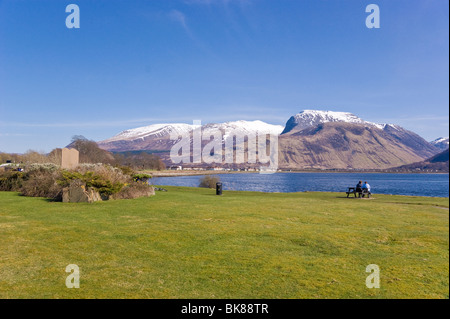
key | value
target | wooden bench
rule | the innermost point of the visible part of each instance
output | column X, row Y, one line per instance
column 362, row 193
column 351, row 190
column 365, row 192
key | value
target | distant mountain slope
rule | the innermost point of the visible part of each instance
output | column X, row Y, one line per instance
column 326, row 139
column 351, row 146
column 411, row 140
column 441, row 143
column 439, row 163
column 440, row 158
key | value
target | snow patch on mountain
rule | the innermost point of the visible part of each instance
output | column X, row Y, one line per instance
column 441, row 142
column 243, row 128
column 161, row 130
column 308, row 118
column 155, row 130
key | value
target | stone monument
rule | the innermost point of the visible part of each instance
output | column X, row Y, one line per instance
column 69, row 158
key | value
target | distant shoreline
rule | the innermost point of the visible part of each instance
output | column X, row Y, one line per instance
column 168, row 173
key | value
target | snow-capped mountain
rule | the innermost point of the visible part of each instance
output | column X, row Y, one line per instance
column 157, row 136
column 441, row 143
column 310, row 139
column 161, row 130
column 310, row 118
column 326, row 139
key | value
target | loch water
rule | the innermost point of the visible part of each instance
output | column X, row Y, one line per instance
column 431, row 185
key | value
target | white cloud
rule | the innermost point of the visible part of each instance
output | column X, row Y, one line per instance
column 180, row 18
column 13, row 134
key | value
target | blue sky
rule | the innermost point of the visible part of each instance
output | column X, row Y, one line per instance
column 135, row 63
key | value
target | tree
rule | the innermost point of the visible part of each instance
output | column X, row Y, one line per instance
column 78, row 138
column 32, row 156
column 141, row 160
column 90, row 152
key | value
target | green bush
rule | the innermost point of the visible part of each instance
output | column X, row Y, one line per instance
column 141, row 178
column 91, row 179
column 39, row 181
column 11, row 181
column 126, row 170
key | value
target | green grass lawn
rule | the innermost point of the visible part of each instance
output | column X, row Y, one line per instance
column 189, row 243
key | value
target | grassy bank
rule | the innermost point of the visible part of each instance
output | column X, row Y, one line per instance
column 189, row 243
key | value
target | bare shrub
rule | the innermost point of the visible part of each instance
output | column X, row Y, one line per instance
column 41, row 166
column 48, row 180
column 42, row 183
column 106, row 172
column 140, row 160
column 32, row 156
column 209, row 181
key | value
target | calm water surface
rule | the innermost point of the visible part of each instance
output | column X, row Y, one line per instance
column 396, row 184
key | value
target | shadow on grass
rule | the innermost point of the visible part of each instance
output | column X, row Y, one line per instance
column 345, row 197
column 44, row 199
column 48, row 200
column 52, row 200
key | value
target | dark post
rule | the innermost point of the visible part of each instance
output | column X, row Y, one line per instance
column 218, row 188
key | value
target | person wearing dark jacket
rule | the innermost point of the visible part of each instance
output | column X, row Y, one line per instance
column 359, row 187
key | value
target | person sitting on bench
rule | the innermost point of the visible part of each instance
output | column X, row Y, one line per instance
column 366, row 188
column 359, row 187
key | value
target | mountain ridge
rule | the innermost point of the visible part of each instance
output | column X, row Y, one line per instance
column 441, row 143
column 351, row 146
column 181, row 128
column 437, row 163
column 157, row 136
column 308, row 118
column 310, row 139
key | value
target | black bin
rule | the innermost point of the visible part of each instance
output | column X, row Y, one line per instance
column 218, row 188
